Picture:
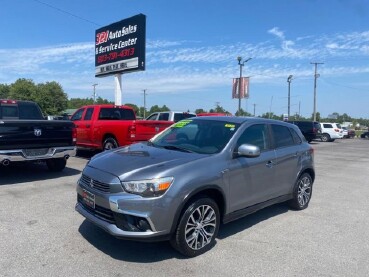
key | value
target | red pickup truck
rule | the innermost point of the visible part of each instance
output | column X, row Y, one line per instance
column 109, row 126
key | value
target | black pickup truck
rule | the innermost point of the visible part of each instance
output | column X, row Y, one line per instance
column 26, row 136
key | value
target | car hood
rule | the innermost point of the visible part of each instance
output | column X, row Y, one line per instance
column 140, row 161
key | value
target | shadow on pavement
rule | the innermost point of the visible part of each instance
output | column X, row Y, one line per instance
column 29, row 172
column 148, row 252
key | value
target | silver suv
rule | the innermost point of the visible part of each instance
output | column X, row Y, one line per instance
column 195, row 175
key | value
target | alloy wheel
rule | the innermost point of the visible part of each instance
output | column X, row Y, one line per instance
column 304, row 191
column 200, row 227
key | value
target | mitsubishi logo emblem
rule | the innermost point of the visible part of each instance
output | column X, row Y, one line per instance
column 37, row 132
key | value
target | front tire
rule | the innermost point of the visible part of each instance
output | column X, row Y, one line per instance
column 56, row 164
column 110, row 143
column 302, row 192
column 197, row 228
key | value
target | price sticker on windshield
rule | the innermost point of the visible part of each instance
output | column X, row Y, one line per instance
column 182, row 123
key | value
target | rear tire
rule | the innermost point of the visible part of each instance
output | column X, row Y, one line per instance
column 109, row 143
column 56, row 164
column 197, row 228
column 302, row 192
column 325, row 137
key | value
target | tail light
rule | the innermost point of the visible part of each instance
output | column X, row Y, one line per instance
column 132, row 131
column 74, row 135
column 337, row 130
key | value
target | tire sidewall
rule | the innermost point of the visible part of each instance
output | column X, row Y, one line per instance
column 179, row 241
column 294, row 203
column 111, row 141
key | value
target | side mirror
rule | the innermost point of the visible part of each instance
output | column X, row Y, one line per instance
column 248, row 151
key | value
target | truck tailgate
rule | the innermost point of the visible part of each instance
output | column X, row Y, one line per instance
column 23, row 134
column 146, row 129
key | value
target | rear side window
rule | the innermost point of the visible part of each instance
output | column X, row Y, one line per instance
column 325, row 125
column 164, row 116
column 180, row 116
column 88, row 114
column 21, row 110
column 282, row 136
column 152, row 117
column 116, row 114
column 295, row 136
column 255, row 135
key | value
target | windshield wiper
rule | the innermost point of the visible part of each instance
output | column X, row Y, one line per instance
column 174, row 147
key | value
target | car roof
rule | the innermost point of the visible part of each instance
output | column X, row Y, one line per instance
column 240, row 119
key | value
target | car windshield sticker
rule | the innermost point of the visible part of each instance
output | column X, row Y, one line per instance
column 230, row 126
column 182, row 123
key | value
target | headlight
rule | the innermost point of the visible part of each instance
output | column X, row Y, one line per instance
column 148, row 188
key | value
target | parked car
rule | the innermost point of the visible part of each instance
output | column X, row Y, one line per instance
column 170, row 116
column 310, row 129
column 105, row 127
column 331, row 131
column 345, row 132
column 351, row 133
column 199, row 173
column 365, row 135
column 26, row 136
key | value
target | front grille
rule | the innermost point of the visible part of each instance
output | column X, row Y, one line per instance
column 91, row 183
column 100, row 212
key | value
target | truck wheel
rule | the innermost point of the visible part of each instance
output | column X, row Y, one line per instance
column 197, row 228
column 56, row 164
column 302, row 192
column 110, row 143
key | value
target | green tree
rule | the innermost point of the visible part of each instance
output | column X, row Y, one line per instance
column 243, row 113
column 23, row 89
column 134, row 107
column 197, row 111
column 76, row 103
column 4, row 91
column 51, row 98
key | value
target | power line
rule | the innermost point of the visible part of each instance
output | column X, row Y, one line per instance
column 66, row 12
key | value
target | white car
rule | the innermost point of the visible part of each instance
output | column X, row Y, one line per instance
column 331, row 131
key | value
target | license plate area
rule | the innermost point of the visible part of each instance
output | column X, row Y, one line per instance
column 88, row 198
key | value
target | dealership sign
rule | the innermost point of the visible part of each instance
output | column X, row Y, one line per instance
column 120, row 47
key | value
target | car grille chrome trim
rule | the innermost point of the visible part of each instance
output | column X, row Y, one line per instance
column 91, row 183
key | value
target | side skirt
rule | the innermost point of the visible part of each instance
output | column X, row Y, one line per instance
column 249, row 210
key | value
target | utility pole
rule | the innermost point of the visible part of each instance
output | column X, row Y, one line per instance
column 94, row 95
column 289, row 79
column 241, row 64
column 316, row 75
column 254, row 109
column 144, row 113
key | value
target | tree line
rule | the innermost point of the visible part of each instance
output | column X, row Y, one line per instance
column 53, row 101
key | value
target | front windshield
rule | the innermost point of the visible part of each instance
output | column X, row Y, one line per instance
column 199, row 136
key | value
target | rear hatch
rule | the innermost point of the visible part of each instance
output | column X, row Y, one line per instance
column 28, row 134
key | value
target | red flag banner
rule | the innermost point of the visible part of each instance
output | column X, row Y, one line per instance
column 240, row 90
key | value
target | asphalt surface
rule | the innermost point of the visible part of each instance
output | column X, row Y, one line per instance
column 42, row 235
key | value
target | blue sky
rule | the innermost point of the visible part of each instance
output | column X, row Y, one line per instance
column 192, row 49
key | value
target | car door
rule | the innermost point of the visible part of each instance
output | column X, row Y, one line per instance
column 288, row 154
column 251, row 180
column 85, row 126
column 77, row 118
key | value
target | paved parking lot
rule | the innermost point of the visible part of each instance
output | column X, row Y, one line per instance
column 42, row 235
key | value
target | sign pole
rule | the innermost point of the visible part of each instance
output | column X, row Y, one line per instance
column 118, row 88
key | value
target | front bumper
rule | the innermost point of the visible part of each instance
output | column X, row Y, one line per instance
column 122, row 214
column 20, row 155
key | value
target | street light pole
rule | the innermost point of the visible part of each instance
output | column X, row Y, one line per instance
column 316, row 75
column 144, row 111
column 241, row 64
column 94, row 95
column 289, row 79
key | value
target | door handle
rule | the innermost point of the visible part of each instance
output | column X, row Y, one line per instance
column 88, row 125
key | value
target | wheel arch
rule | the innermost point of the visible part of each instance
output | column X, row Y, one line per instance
column 310, row 171
column 211, row 191
column 106, row 136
